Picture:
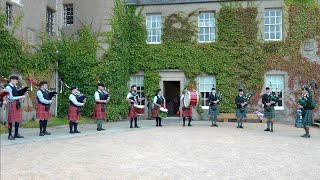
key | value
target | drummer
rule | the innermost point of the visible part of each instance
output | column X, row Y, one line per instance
column 186, row 112
column 158, row 101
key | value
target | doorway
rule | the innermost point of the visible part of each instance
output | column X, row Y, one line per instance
column 171, row 91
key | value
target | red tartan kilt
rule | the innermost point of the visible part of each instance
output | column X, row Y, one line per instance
column 41, row 113
column 187, row 112
column 155, row 112
column 133, row 113
column 14, row 114
column 72, row 114
column 97, row 113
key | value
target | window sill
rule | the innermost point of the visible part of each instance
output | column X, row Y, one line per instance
column 201, row 42
column 16, row 4
column 273, row 40
column 153, row 42
column 279, row 108
column 205, row 107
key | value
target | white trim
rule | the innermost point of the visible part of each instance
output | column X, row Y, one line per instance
column 279, row 108
column 205, row 107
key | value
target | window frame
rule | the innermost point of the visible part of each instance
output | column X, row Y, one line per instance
column 268, row 79
column 154, row 28
column 9, row 20
column 50, row 22
column 275, row 24
column 213, row 26
column 68, row 22
column 134, row 81
column 204, row 98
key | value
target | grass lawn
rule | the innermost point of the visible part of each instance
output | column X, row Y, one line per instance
column 54, row 121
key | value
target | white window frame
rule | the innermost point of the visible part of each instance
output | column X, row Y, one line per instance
column 206, row 25
column 66, row 21
column 207, row 88
column 30, row 36
column 18, row 2
column 9, row 20
column 157, row 19
column 50, row 21
column 138, row 80
column 274, row 79
column 272, row 27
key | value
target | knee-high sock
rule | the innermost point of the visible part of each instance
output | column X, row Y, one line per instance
column 271, row 124
column 160, row 121
column 135, row 121
column 241, row 121
column 45, row 125
column 307, row 129
column 131, row 121
column 70, row 125
column 214, row 120
column 75, row 124
column 10, row 129
column 189, row 120
column 238, row 121
column 184, row 120
column 16, row 128
column 268, row 123
column 41, row 124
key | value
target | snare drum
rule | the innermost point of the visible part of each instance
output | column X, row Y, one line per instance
column 162, row 112
column 191, row 99
column 140, row 109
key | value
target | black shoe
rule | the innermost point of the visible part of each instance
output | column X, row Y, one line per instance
column 18, row 136
column 189, row 125
column 183, row 125
column 102, row 129
column 136, row 126
column 131, row 127
column 160, row 125
column 98, row 129
column 46, row 133
column 216, row 125
column 212, row 125
column 41, row 134
column 241, row 127
column 71, row 132
column 306, row 136
column 11, row 137
column 238, row 126
column 271, row 130
column 157, row 125
column 267, row 129
column 77, row 131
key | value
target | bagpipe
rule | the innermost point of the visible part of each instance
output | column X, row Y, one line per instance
column 275, row 95
column 80, row 97
column 303, row 101
column 247, row 95
column 51, row 93
column 219, row 97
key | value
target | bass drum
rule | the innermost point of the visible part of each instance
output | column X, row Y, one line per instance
column 191, row 99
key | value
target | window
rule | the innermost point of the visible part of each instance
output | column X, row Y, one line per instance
column 154, row 24
column 8, row 14
column 68, row 14
column 138, row 81
column 17, row 1
column 206, row 25
column 273, row 24
column 30, row 36
column 206, row 83
column 49, row 22
column 276, row 84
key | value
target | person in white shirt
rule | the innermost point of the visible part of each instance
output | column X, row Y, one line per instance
column 15, row 113
column 186, row 111
column 158, row 101
column 102, row 98
column 133, row 99
column 43, row 108
column 74, row 109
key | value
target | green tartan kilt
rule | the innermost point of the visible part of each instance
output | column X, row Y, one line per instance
column 307, row 120
column 214, row 112
column 241, row 114
column 269, row 114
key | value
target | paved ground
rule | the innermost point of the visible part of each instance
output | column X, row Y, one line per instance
column 170, row 152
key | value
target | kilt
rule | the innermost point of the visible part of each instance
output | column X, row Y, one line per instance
column 97, row 113
column 187, row 112
column 269, row 114
column 132, row 112
column 215, row 112
column 307, row 120
column 72, row 114
column 14, row 114
column 41, row 113
column 240, row 114
column 155, row 111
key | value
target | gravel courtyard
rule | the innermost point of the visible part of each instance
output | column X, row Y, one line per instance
column 169, row 152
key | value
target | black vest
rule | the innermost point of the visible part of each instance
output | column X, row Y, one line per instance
column 239, row 100
column 14, row 91
column 134, row 97
column 45, row 96
column 266, row 99
column 102, row 96
column 212, row 98
column 160, row 100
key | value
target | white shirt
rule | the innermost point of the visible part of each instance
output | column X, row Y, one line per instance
column 11, row 97
column 73, row 99
column 156, row 98
column 42, row 99
column 181, row 97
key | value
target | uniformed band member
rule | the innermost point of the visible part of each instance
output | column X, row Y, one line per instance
column 102, row 98
column 43, row 108
column 186, row 111
column 74, row 110
column 269, row 102
column 213, row 107
column 241, row 112
column 133, row 99
column 306, row 112
column 14, row 114
column 158, row 101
